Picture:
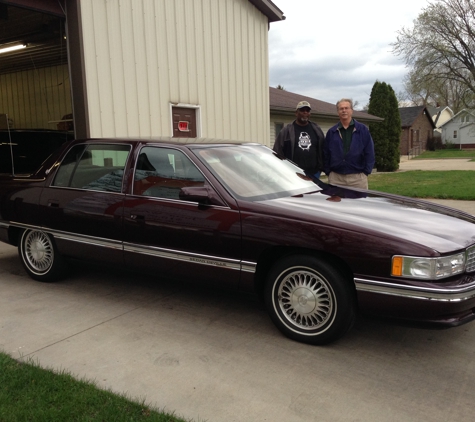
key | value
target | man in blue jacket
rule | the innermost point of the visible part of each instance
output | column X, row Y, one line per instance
column 348, row 152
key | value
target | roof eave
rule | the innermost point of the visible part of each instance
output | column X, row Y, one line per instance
column 273, row 13
column 284, row 110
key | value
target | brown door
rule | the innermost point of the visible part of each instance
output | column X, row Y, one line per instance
column 184, row 122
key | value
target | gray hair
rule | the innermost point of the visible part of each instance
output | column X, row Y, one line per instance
column 345, row 100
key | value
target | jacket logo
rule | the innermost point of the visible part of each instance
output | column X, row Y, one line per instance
column 304, row 141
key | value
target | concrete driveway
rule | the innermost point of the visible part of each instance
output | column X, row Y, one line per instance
column 444, row 164
column 216, row 356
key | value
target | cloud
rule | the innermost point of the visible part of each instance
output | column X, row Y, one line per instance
column 330, row 50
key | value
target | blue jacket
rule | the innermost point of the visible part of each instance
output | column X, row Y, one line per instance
column 360, row 157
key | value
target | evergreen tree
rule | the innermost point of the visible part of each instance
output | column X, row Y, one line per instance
column 386, row 134
column 394, row 131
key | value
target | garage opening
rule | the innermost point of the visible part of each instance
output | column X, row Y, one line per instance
column 35, row 92
column 34, row 79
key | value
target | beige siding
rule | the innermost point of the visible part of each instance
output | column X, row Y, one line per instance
column 142, row 56
column 36, row 98
column 444, row 117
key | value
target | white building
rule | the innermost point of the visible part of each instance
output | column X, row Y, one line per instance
column 460, row 130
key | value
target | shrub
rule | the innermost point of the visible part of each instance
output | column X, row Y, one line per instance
column 434, row 143
column 450, row 145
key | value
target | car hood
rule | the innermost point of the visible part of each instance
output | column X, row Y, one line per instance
column 435, row 226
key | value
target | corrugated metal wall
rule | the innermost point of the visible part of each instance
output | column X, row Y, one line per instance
column 142, row 56
column 34, row 98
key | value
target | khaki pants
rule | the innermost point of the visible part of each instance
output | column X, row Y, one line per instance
column 354, row 180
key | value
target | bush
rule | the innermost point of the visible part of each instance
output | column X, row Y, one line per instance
column 450, row 145
column 434, row 143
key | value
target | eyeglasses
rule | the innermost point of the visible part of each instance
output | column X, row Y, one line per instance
column 304, row 110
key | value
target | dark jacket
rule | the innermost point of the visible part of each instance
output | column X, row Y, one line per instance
column 360, row 157
column 284, row 144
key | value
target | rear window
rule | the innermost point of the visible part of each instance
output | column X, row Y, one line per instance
column 93, row 167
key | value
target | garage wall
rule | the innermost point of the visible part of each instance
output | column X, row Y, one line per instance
column 36, row 98
column 141, row 57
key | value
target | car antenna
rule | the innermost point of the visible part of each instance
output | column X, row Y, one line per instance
column 11, row 146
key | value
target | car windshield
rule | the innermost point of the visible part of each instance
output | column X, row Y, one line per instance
column 254, row 172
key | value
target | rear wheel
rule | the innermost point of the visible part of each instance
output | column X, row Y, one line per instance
column 309, row 300
column 39, row 256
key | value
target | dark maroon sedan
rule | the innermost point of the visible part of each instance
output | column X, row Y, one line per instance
column 235, row 215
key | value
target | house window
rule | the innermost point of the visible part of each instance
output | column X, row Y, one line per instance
column 455, row 134
column 278, row 127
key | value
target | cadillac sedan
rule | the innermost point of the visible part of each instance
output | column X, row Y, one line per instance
column 235, row 215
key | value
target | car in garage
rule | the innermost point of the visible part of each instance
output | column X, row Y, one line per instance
column 237, row 216
column 23, row 150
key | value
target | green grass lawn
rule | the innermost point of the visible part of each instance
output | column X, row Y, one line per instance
column 29, row 393
column 446, row 153
column 454, row 184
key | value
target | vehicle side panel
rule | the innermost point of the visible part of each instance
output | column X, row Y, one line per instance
column 85, row 224
column 182, row 238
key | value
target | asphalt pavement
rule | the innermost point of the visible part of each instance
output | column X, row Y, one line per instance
column 215, row 356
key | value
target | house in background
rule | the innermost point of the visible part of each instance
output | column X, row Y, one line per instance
column 417, row 128
column 282, row 112
column 460, row 130
column 440, row 115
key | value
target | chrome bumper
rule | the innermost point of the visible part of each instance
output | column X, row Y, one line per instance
column 438, row 294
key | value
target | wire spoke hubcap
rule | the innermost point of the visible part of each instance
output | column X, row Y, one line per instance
column 306, row 300
column 38, row 252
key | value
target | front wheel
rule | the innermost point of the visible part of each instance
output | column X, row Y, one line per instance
column 39, row 256
column 309, row 300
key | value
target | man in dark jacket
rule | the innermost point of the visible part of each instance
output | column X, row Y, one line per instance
column 349, row 150
column 302, row 141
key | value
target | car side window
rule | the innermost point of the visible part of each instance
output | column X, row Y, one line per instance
column 93, row 167
column 162, row 172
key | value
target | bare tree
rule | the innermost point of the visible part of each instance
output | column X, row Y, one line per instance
column 440, row 49
column 280, row 87
column 424, row 91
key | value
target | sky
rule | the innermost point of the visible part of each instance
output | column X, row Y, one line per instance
column 336, row 49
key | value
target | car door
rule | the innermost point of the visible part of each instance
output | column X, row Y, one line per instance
column 83, row 205
column 176, row 237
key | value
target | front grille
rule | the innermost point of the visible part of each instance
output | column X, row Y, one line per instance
column 470, row 259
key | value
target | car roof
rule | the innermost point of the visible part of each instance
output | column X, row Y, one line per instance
column 171, row 140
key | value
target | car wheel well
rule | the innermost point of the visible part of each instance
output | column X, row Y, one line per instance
column 14, row 234
column 271, row 256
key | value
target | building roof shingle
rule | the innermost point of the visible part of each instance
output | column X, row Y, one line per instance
column 410, row 114
column 285, row 101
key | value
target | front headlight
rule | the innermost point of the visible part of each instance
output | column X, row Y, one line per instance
column 428, row 268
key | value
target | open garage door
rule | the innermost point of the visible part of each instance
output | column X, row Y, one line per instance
column 52, row 7
column 35, row 88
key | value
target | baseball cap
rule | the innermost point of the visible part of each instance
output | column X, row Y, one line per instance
column 303, row 104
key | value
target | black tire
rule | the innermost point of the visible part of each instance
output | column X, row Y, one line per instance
column 309, row 300
column 40, row 257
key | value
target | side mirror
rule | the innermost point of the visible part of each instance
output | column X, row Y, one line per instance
column 204, row 195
